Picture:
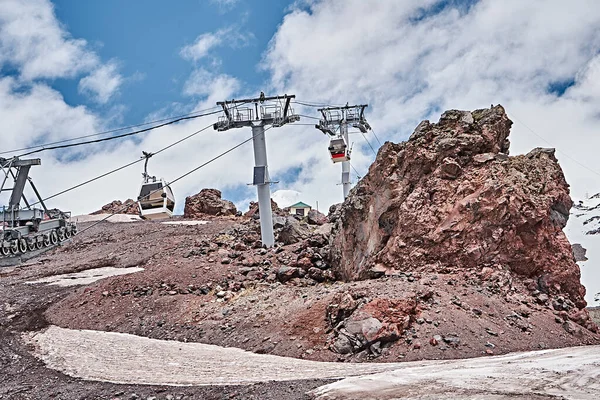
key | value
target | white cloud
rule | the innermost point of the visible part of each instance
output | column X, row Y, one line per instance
column 412, row 60
column 32, row 40
column 103, row 83
column 204, row 43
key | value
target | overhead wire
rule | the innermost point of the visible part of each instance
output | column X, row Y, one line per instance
column 314, row 104
column 559, row 151
column 308, row 116
column 123, row 167
column 118, row 136
column 374, row 134
column 357, row 174
column 106, row 132
column 369, row 143
column 177, row 179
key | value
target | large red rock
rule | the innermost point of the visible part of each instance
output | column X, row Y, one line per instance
column 253, row 209
column 451, row 197
column 208, row 202
column 119, row 207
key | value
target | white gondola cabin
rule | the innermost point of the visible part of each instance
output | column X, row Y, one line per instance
column 156, row 200
column 339, row 150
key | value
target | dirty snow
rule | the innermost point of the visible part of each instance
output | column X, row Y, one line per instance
column 569, row 373
column 185, row 222
column 124, row 358
column 86, row 277
column 112, row 218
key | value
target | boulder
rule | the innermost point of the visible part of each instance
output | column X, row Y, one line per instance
column 316, row 218
column 253, row 211
column 285, row 273
column 451, row 197
column 129, row 207
column 208, row 202
column 293, row 231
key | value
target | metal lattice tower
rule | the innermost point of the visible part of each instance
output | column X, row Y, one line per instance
column 257, row 113
column 335, row 124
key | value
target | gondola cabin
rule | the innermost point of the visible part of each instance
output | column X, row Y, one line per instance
column 338, row 150
column 156, row 200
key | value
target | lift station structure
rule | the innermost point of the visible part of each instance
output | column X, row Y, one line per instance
column 335, row 123
column 28, row 228
column 257, row 113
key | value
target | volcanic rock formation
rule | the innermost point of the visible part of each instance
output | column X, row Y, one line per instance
column 208, row 202
column 451, row 197
column 253, row 210
column 119, row 207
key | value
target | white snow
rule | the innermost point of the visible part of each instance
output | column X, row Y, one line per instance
column 576, row 229
column 112, row 218
column 569, row 373
column 185, row 222
column 85, row 277
column 573, row 373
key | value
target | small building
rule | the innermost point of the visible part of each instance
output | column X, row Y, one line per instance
column 300, row 208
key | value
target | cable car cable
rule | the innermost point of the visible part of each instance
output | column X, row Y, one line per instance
column 122, row 167
column 118, row 136
column 372, row 149
column 308, row 116
column 374, row 134
column 177, row 179
column 105, row 132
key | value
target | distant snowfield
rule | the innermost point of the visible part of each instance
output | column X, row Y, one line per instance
column 86, row 277
column 576, row 229
column 573, row 373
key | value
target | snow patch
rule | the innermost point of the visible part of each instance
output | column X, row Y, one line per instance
column 86, row 277
column 112, row 218
column 185, row 222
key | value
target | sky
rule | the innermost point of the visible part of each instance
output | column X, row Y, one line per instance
column 72, row 68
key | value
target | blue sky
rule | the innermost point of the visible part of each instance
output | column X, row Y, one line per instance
column 146, row 37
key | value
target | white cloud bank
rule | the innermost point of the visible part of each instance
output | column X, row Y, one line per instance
column 34, row 43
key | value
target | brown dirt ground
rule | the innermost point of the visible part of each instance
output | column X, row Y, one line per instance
column 265, row 317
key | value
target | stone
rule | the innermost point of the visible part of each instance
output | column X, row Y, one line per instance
column 292, row 232
column 316, row 218
column 254, row 212
column 285, row 273
column 342, row 345
column 427, row 205
column 278, row 221
column 208, row 202
column 579, row 252
column 129, row 207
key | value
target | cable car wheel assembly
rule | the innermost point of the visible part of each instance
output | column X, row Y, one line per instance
column 28, row 229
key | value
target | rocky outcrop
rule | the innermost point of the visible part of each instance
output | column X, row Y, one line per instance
column 208, row 202
column 118, row 207
column 253, row 211
column 451, row 197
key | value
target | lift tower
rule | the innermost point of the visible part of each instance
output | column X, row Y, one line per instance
column 257, row 113
column 335, row 124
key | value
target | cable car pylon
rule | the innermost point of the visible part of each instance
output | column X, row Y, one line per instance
column 335, row 123
column 274, row 111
